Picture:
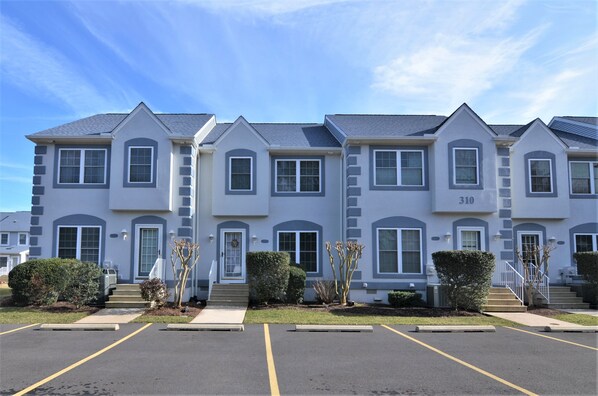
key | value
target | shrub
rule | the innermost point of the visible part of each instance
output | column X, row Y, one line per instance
column 587, row 266
column 82, row 284
column 467, row 275
column 325, row 291
column 154, row 291
column 268, row 275
column 402, row 299
column 39, row 282
column 296, row 286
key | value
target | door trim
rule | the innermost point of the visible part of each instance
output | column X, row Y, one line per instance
column 136, row 277
column 242, row 278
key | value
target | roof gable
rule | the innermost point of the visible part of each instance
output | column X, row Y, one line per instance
column 241, row 121
column 141, row 107
column 539, row 123
column 464, row 108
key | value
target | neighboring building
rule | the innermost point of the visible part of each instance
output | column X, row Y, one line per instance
column 14, row 239
column 114, row 188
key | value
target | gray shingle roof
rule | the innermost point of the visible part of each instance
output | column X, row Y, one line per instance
column 506, row 130
column 574, row 140
column 284, row 135
column 178, row 124
column 378, row 125
column 15, row 221
column 585, row 120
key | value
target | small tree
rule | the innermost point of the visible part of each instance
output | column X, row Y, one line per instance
column 183, row 257
column 155, row 291
column 535, row 261
column 348, row 256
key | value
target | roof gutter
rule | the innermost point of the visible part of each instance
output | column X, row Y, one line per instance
column 576, row 151
column 312, row 150
column 102, row 138
column 400, row 139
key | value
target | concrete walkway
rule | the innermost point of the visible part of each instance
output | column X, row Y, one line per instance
column 113, row 315
column 215, row 314
column 528, row 319
column 591, row 312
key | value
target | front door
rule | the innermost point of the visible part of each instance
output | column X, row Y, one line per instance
column 232, row 256
column 147, row 250
column 528, row 242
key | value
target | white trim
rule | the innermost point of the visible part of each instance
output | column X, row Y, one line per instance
column 7, row 238
column 82, row 156
column 78, row 243
column 137, row 246
column 230, row 173
column 19, row 239
column 481, row 230
column 151, row 165
column 592, row 175
column 297, row 189
column 529, row 171
column 240, row 279
column 477, row 166
column 298, row 246
column 398, row 158
column 594, row 240
column 399, row 250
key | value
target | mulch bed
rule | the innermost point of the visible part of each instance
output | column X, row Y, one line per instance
column 192, row 309
column 371, row 309
column 59, row 307
column 545, row 311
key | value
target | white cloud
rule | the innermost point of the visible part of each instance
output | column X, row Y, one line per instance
column 267, row 7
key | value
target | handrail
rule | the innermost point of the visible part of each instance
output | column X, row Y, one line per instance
column 544, row 286
column 156, row 271
column 509, row 277
column 212, row 277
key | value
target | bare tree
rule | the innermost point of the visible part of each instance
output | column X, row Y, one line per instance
column 348, row 256
column 535, row 262
column 183, row 257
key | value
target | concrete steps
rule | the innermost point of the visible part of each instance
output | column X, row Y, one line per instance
column 126, row 296
column 501, row 299
column 562, row 297
column 229, row 295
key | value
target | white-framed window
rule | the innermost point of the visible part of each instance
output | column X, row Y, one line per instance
column 241, row 177
column 81, row 166
column 399, row 250
column 4, row 262
column 585, row 242
column 527, row 241
column 298, row 175
column 23, row 239
column 584, row 177
column 141, row 164
column 540, row 175
column 466, row 166
column 79, row 242
column 471, row 238
column 302, row 246
column 398, row 168
column 3, row 238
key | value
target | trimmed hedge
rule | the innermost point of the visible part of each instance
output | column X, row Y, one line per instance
column 587, row 266
column 467, row 274
column 296, row 286
column 83, row 282
column 267, row 275
column 39, row 282
column 155, row 291
column 402, row 299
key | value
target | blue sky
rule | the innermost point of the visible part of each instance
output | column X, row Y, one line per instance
column 294, row 61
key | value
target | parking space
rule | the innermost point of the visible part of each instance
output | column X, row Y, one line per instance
column 156, row 361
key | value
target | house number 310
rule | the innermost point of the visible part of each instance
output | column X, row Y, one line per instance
column 466, row 200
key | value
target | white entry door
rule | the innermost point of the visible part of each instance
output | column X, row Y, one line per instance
column 148, row 242
column 232, row 256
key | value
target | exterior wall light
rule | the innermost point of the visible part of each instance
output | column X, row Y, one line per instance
column 124, row 234
column 211, row 238
column 497, row 236
column 254, row 238
column 552, row 239
column 171, row 234
column 447, row 236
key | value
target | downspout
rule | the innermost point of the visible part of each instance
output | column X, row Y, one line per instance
column 195, row 220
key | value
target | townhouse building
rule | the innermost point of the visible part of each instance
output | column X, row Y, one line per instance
column 14, row 239
column 115, row 188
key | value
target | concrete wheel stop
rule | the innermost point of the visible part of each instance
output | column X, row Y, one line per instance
column 571, row 329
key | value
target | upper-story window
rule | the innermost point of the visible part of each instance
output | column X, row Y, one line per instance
column 79, row 242
column 82, row 166
column 399, row 250
column 300, row 176
column 540, row 175
column 466, row 166
column 4, row 238
column 240, row 173
column 22, row 238
column 586, row 242
column 584, row 177
column 141, row 163
column 399, row 168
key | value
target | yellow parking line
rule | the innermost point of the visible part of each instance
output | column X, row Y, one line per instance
column 274, row 391
column 552, row 338
column 80, row 362
column 468, row 365
column 20, row 328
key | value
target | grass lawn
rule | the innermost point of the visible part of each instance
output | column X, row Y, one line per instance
column 293, row 316
column 18, row 315
column 5, row 291
column 580, row 319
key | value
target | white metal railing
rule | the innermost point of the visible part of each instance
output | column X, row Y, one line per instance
column 543, row 286
column 157, row 269
column 506, row 275
column 212, row 277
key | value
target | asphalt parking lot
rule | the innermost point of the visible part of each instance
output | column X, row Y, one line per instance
column 392, row 360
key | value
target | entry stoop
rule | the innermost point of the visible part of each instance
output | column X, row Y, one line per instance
column 126, row 296
column 501, row 299
column 562, row 297
column 229, row 295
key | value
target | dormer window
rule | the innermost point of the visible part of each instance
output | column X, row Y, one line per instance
column 465, row 161
column 240, row 173
column 141, row 162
